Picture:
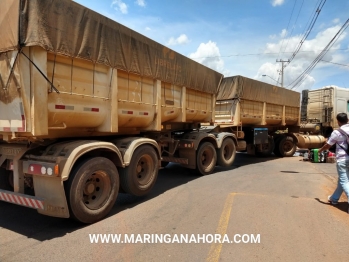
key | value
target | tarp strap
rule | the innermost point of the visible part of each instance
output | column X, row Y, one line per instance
column 2, row 84
column 48, row 80
column 11, row 73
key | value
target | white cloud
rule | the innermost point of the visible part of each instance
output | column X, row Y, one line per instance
column 311, row 48
column 270, row 70
column 147, row 29
column 277, row 2
column 208, row 54
column 291, row 72
column 182, row 39
column 140, row 2
column 283, row 33
column 336, row 21
column 120, row 6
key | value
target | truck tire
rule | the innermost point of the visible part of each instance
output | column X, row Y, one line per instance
column 276, row 147
column 164, row 164
column 140, row 176
column 226, row 154
column 92, row 189
column 287, row 146
column 206, row 158
column 267, row 149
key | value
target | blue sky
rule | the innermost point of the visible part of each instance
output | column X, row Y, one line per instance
column 246, row 37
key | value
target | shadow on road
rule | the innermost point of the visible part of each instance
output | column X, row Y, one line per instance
column 343, row 206
column 29, row 223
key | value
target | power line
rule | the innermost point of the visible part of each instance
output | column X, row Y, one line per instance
column 308, row 23
column 294, row 24
column 306, row 72
column 317, row 12
column 334, row 63
column 288, row 24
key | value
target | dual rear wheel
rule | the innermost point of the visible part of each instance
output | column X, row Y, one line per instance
column 207, row 156
column 139, row 177
column 93, row 185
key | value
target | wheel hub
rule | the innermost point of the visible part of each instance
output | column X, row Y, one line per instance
column 89, row 188
column 139, row 168
column 96, row 190
column 144, row 170
column 288, row 146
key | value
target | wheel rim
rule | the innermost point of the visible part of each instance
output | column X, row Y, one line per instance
column 228, row 151
column 206, row 157
column 96, row 190
column 144, row 170
column 287, row 146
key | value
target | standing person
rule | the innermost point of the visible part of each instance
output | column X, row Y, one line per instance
column 342, row 157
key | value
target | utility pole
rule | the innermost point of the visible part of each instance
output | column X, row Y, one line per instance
column 282, row 69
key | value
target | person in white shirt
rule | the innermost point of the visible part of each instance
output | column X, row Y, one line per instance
column 340, row 139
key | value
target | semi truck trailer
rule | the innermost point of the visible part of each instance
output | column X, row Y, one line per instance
column 264, row 118
column 90, row 108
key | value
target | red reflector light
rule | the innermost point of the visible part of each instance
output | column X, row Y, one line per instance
column 60, row 106
column 34, row 169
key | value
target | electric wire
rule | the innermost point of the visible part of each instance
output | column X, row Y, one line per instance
column 334, row 63
column 307, row 32
column 306, row 72
column 294, row 24
column 288, row 24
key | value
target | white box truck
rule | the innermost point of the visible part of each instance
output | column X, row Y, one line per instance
column 320, row 107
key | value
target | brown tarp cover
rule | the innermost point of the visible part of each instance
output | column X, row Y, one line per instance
column 8, row 24
column 250, row 89
column 65, row 27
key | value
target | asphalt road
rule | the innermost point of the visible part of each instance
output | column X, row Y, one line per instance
column 281, row 200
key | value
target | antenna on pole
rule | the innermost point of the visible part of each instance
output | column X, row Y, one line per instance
column 282, row 69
